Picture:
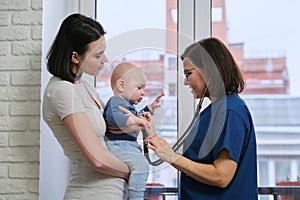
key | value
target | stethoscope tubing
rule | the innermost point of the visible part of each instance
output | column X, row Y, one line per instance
column 180, row 140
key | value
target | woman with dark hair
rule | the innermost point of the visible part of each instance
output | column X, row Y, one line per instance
column 72, row 110
column 219, row 154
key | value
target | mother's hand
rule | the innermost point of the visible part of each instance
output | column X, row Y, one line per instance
column 161, row 148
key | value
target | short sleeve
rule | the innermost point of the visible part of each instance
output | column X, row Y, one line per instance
column 114, row 116
column 233, row 136
column 146, row 109
column 67, row 100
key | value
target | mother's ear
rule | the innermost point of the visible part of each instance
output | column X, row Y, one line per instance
column 75, row 57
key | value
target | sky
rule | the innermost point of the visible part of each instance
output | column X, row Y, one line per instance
column 267, row 27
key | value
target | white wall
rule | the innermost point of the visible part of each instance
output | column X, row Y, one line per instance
column 20, row 73
column 53, row 164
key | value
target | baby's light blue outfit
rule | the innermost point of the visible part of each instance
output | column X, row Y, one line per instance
column 125, row 145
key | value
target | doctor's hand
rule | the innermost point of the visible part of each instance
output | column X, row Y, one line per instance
column 161, row 148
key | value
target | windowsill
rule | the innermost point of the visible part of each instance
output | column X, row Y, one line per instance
column 155, row 191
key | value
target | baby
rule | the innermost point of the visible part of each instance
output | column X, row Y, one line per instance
column 128, row 83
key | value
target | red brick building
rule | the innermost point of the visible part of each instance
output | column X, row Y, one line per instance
column 263, row 75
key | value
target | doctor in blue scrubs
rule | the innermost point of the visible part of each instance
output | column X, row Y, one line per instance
column 219, row 159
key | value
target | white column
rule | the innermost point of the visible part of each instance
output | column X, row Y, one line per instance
column 294, row 170
column 271, row 173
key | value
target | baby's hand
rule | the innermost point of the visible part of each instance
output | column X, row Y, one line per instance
column 138, row 121
column 156, row 103
column 149, row 131
column 134, row 122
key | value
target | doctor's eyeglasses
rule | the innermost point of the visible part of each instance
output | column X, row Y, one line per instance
column 188, row 72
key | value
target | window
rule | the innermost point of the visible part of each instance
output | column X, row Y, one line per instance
column 143, row 35
column 152, row 34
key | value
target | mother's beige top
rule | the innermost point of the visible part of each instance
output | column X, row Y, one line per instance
column 61, row 99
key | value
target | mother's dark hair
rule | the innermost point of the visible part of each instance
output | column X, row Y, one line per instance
column 75, row 34
column 214, row 59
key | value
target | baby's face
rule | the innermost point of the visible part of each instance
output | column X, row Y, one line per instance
column 135, row 84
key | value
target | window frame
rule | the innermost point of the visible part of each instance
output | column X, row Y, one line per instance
column 194, row 23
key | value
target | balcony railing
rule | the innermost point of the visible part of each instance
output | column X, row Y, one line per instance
column 278, row 192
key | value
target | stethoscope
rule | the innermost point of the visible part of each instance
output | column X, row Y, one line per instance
column 182, row 138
